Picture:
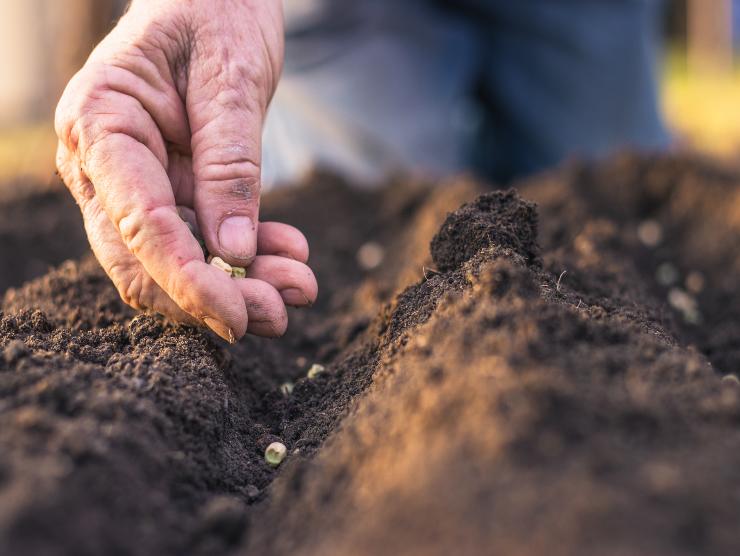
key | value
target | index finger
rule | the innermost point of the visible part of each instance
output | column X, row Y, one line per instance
column 136, row 194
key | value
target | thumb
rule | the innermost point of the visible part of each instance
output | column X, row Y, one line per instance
column 226, row 144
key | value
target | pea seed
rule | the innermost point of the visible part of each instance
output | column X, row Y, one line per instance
column 286, row 388
column 315, row 371
column 275, row 453
column 238, row 272
column 218, row 262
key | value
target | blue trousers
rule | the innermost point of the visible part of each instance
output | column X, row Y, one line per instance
column 435, row 87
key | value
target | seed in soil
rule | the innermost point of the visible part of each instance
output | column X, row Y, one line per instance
column 315, row 371
column 275, row 453
column 650, row 233
column 218, row 262
column 286, row 388
column 685, row 304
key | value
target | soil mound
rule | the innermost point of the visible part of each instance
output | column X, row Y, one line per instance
column 514, row 400
column 499, row 219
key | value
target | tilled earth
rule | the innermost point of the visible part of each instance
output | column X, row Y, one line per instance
column 547, row 371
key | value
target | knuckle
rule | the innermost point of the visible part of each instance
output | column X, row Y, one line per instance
column 230, row 171
column 134, row 225
column 75, row 180
column 90, row 110
column 81, row 99
column 67, row 108
column 230, row 96
column 97, row 148
column 89, row 130
column 228, row 160
column 83, row 192
column 236, row 74
column 129, row 283
column 233, row 192
column 133, row 292
column 65, row 166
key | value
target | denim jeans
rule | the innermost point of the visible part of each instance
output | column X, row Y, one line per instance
column 434, row 87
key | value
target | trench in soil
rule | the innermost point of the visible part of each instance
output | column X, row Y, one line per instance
column 531, row 388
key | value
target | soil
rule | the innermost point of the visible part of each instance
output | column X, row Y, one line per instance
column 541, row 385
column 37, row 231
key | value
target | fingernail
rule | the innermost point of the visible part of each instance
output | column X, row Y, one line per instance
column 294, row 297
column 237, row 237
column 221, row 329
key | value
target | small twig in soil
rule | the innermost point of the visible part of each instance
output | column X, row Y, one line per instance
column 424, row 270
column 560, row 278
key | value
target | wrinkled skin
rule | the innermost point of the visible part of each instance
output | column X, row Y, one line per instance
column 164, row 122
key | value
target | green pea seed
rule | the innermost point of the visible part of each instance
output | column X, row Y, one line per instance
column 275, row 453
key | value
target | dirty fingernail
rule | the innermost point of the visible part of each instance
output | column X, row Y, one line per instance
column 294, row 297
column 237, row 238
column 221, row 329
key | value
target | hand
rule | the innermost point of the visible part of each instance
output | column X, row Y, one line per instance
column 167, row 113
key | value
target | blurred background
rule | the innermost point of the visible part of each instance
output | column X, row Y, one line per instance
column 43, row 42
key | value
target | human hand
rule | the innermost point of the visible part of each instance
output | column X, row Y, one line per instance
column 168, row 112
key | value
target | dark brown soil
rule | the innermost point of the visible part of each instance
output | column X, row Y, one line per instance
column 500, row 399
column 37, row 231
column 500, row 220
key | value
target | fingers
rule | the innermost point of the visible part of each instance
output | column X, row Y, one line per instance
column 294, row 280
column 280, row 239
column 266, row 308
column 226, row 121
column 274, row 238
column 88, row 117
column 180, row 172
column 267, row 314
column 133, row 189
column 136, row 288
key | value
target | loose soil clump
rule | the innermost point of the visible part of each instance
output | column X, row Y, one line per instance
column 500, row 398
column 499, row 220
